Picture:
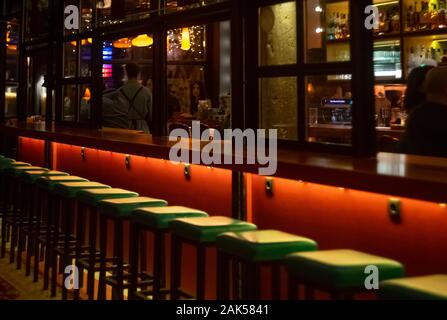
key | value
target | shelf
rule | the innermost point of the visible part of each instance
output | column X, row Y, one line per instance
column 435, row 32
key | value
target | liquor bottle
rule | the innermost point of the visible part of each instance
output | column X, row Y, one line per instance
column 417, row 16
column 395, row 20
column 442, row 14
column 434, row 17
column 410, row 19
column 424, row 16
column 331, row 27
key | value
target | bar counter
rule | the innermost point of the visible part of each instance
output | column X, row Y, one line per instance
column 408, row 176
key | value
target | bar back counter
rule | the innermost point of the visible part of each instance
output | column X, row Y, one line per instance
column 392, row 205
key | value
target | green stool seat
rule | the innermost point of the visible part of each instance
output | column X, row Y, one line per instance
column 263, row 245
column 340, row 269
column 71, row 189
column 432, row 287
column 48, row 182
column 159, row 218
column 123, row 208
column 7, row 165
column 4, row 161
column 32, row 176
column 15, row 171
column 92, row 197
column 203, row 230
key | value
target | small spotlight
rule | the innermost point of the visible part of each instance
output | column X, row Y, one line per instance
column 318, row 9
column 443, row 205
column 319, row 30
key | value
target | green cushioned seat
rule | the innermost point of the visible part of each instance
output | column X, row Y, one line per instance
column 48, row 182
column 4, row 161
column 159, row 218
column 92, row 197
column 71, row 189
column 123, row 208
column 7, row 165
column 205, row 230
column 32, row 176
column 340, row 269
column 432, row 287
column 14, row 171
column 263, row 245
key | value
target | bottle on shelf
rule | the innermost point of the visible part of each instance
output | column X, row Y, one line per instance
column 442, row 14
column 434, row 17
column 395, row 20
column 416, row 16
column 410, row 19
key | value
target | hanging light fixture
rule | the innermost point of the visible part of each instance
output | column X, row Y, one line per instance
column 123, row 43
column 186, row 39
column 143, row 40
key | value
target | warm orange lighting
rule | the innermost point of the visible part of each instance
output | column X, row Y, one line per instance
column 143, row 40
column 11, row 47
column 123, row 43
column 310, row 88
column 443, row 205
column 84, row 41
column 74, row 43
column 87, row 94
column 186, row 39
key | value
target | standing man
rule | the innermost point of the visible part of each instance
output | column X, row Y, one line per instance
column 137, row 99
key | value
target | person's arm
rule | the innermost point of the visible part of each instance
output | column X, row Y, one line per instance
column 149, row 112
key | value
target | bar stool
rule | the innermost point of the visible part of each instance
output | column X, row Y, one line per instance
column 155, row 220
column 31, row 226
column 88, row 200
column 118, row 211
column 338, row 272
column 201, row 233
column 253, row 250
column 20, row 203
column 45, row 186
column 65, row 194
column 431, row 287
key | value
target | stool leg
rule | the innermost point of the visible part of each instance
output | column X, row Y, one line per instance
column 65, row 259
column 41, row 208
column 252, row 278
column 13, row 242
column 103, row 256
column 48, row 239
column 223, row 276
column 33, row 227
column 118, row 248
column 79, row 243
column 93, row 224
column 292, row 288
column 201, row 272
column 159, row 264
column 235, row 279
column 134, row 258
column 309, row 293
column 23, row 213
column 176, row 268
column 276, row 282
column 54, row 244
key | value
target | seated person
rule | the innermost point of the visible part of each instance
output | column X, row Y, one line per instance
column 426, row 132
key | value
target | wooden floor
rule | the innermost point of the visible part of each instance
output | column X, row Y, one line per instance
column 28, row 290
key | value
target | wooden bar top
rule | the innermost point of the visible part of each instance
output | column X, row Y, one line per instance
column 410, row 176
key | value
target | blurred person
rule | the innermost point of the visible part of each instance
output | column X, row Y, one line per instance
column 426, row 131
column 414, row 94
column 197, row 94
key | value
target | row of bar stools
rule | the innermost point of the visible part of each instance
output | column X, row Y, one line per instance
column 33, row 216
column 20, row 204
column 431, row 287
column 118, row 211
column 44, row 242
column 156, row 221
column 338, row 272
column 65, row 194
column 88, row 201
column 254, row 250
column 201, row 233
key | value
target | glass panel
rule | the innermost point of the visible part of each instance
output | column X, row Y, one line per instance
column 70, row 96
column 178, row 5
column 327, row 31
column 329, row 108
column 11, row 101
column 12, row 64
column 87, row 15
column 387, row 60
column 70, row 59
column 187, row 44
column 428, row 50
column 202, row 91
column 86, row 57
column 36, row 18
column 278, row 104
column 277, row 34
column 84, row 105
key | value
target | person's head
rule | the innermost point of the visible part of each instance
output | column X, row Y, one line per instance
column 197, row 90
column 435, row 85
column 132, row 71
column 173, row 90
column 414, row 95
